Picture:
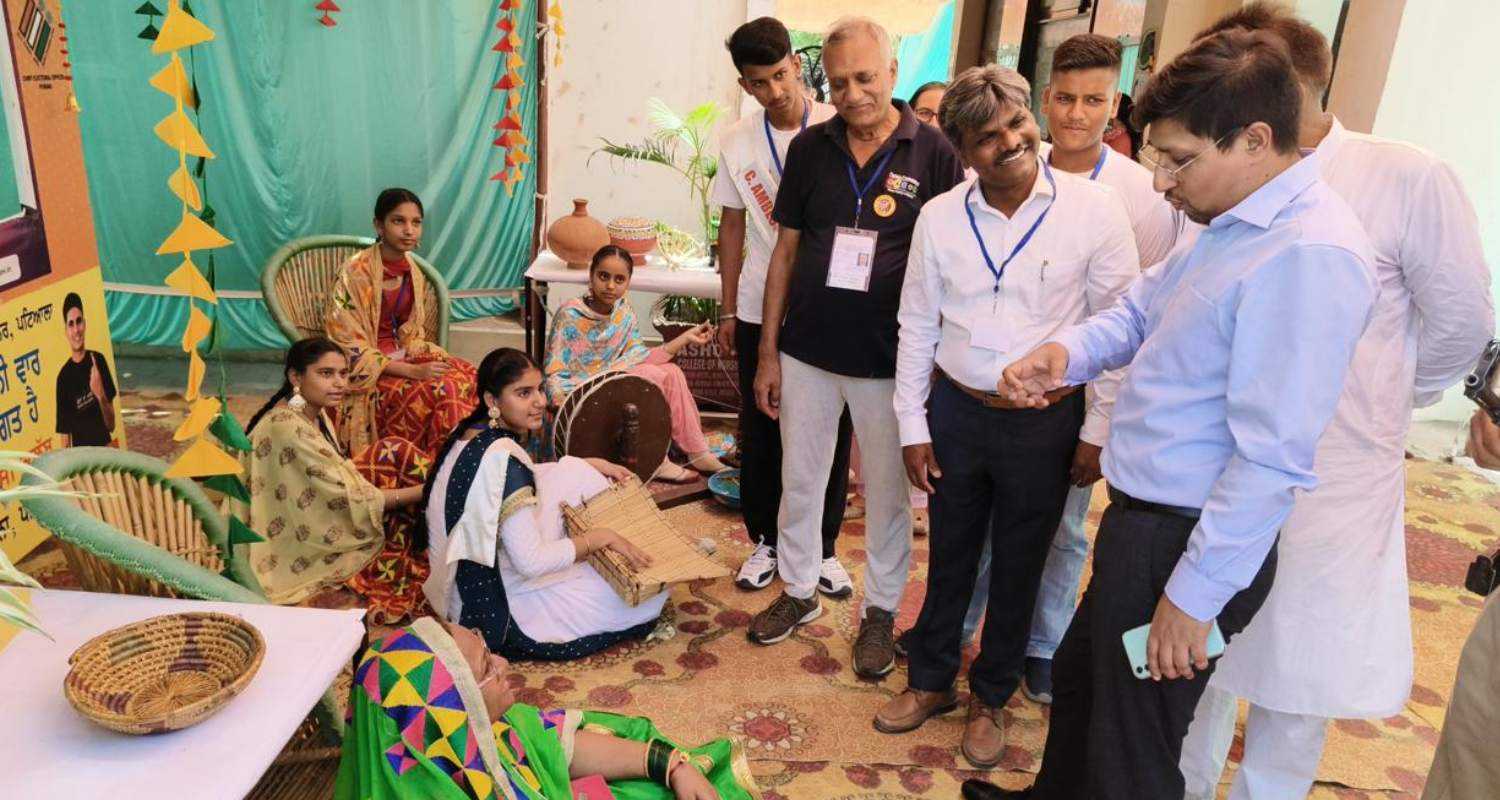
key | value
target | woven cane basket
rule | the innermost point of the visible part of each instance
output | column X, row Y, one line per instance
column 165, row 673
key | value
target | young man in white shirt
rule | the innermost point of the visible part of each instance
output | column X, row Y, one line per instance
column 1333, row 639
column 1081, row 99
column 998, row 264
column 752, row 153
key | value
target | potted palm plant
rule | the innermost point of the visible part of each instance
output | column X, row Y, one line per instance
column 14, row 609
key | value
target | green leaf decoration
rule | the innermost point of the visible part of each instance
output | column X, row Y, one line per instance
column 227, row 430
column 208, row 215
column 229, row 485
column 198, row 168
column 148, row 9
column 148, row 33
column 187, row 8
column 240, row 533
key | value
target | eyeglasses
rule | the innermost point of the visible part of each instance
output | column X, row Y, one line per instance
column 927, row 115
column 1155, row 159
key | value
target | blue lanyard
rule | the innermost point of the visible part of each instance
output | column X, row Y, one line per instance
column 1021, row 245
column 766, row 121
column 859, row 193
column 1098, row 164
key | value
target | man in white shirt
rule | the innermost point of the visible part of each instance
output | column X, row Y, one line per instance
column 998, row 264
column 752, row 152
column 1081, row 99
column 1333, row 639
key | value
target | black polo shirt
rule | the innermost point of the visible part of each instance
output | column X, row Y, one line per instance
column 839, row 330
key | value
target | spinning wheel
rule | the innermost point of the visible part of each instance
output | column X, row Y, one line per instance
column 616, row 416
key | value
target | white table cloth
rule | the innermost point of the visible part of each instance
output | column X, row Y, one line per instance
column 50, row 751
column 654, row 276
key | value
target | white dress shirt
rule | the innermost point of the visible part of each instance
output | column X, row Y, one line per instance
column 1333, row 638
column 1077, row 262
column 1152, row 219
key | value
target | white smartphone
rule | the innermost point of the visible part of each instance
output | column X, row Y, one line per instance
column 1135, row 647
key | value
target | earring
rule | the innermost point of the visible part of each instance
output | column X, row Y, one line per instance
column 494, row 417
column 296, row 402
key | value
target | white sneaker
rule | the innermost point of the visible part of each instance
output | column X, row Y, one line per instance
column 758, row 569
column 833, row 580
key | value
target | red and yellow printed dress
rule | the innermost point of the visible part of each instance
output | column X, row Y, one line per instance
column 376, row 327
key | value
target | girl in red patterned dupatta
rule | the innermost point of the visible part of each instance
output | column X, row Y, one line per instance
column 400, row 384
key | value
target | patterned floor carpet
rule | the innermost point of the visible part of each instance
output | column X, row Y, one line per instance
column 805, row 718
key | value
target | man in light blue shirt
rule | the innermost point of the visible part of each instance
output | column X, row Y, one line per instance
column 1237, row 349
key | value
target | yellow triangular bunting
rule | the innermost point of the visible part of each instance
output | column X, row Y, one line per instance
column 180, row 29
column 202, row 414
column 188, row 280
column 515, row 61
column 202, row 459
column 172, row 80
column 198, row 327
column 196, row 368
column 179, row 134
column 182, row 185
column 192, row 234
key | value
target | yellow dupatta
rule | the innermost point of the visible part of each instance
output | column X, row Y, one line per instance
column 354, row 323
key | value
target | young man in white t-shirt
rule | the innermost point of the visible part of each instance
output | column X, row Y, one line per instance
column 752, row 153
column 1082, row 97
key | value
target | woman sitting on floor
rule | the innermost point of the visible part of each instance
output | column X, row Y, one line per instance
column 501, row 557
column 328, row 519
column 400, row 384
column 598, row 333
column 478, row 743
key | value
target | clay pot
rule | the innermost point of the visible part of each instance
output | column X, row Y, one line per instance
column 636, row 234
column 576, row 237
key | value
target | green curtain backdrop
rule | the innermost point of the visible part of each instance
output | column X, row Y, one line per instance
column 308, row 123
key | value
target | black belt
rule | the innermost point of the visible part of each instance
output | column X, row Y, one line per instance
column 1129, row 503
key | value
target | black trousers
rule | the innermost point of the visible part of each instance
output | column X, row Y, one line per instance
column 1113, row 735
column 1005, row 478
column 760, row 457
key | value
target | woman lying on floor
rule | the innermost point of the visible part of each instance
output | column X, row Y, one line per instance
column 598, row 333
column 501, row 558
column 328, row 518
column 433, row 717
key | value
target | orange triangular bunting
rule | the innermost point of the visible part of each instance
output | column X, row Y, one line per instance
column 203, row 459
column 511, row 80
column 515, row 61
column 192, row 234
column 513, row 101
column 196, row 368
column 179, row 134
column 182, row 185
column 512, row 139
column 180, row 29
column 188, row 280
column 200, row 416
column 511, row 179
column 516, row 157
column 198, row 327
column 512, row 122
column 503, row 46
column 173, row 81
column 506, row 24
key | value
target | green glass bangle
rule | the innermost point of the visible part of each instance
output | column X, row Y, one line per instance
column 658, row 759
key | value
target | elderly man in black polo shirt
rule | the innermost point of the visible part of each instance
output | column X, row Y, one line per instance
column 850, row 195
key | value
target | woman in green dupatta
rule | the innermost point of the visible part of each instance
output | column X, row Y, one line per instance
column 432, row 716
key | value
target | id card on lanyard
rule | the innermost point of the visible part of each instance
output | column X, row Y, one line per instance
column 992, row 332
column 853, row 259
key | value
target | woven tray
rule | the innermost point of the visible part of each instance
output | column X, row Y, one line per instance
column 165, row 673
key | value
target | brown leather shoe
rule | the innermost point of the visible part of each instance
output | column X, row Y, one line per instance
column 984, row 735
column 908, row 710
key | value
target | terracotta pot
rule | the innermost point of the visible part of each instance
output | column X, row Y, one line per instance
column 636, row 234
column 576, row 237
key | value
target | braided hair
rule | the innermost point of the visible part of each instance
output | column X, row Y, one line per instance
column 299, row 357
column 497, row 371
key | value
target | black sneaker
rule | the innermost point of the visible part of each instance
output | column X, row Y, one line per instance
column 1038, row 680
column 875, row 646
